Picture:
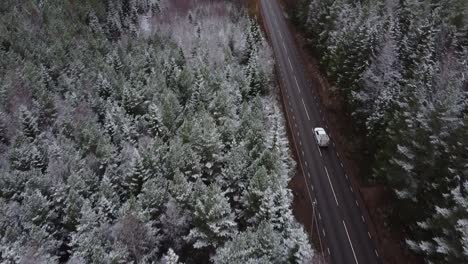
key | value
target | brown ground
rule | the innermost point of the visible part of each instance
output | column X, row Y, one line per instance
column 375, row 197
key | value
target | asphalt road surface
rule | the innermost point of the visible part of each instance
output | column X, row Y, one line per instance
column 342, row 222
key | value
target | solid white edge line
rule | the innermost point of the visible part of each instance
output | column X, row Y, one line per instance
column 305, row 108
column 290, row 65
column 331, row 185
column 350, row 243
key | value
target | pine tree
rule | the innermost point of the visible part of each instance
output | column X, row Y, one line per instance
column 170, row 257
column 298, row 243
column 137, row 175
column 87, row 241
column 381, row 90
column 39, row 158
column 301, row 10
column 133, row 101
column 103, row 87
column 180, row 188
column 260, row 245
column 73, row 206
column 233, row 178
column 29, row 123
column 253, row 38
column 206, row 142
column 175, row 224
column 255, row 78
column 3, row 130
column 259, row 187
column 113, row 22
column 212, row 218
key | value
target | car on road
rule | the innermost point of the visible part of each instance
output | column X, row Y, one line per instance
column 321, row 137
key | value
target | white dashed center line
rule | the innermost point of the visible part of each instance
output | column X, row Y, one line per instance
column 350, row 243
column 331, row 185
column 297, row 84
column 305, row 108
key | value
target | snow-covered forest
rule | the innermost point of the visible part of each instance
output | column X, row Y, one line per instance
column 123, row 143
column 401, row 66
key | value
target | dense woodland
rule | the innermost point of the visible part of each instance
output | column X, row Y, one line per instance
column 120, row 144
column 401, row 66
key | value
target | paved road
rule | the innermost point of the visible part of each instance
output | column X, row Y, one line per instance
column 342, row 220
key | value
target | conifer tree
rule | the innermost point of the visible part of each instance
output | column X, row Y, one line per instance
column 212, row 218
column 29, row 123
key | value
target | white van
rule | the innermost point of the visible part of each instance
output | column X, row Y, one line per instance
column 321, row 137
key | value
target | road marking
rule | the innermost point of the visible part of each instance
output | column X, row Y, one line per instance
column 290, row 65
column 302, row 152
column 376, row 253
column 341, row 163
column 331, row 185
column 363, row 220
column 284, row 46
column 369, row 235
column 346, row 175
column 320, row 216
column 305, row 108
column 357, row 203
column 281, row 36
column 338, row 154
column 303, row 172
column 319, row 151
column 297, row 84
column 308, row 174
column 333, row 143
column 350, row 243
column 328, row 249
column 300, row 143
column 323, row 231
column 294, row 117
column 351, row 189
column 306, row 163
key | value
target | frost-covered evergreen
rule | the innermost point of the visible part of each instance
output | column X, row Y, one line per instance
column 123, row 147
column 401, row 67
